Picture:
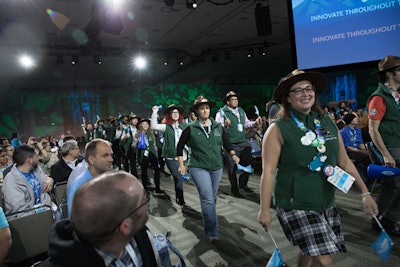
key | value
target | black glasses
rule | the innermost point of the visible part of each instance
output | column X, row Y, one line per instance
column 146, row 200
column 298, row 91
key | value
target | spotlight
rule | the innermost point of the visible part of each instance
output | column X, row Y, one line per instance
column 261, row 51
column 26, row 61
column 250, row 52
column 169, row 3
column 179, row 60
column 96, row 59
column 75, row 60
column 140, row 62
column 166, row 61
column 60, row 60
column 191, row 4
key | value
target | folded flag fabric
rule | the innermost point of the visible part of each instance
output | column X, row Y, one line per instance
column 247, row 169
column 275, row 260
column 383, row 244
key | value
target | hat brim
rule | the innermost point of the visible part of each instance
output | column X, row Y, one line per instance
column 170, row 109
column 316, row 78
column 227, row 97
column 195, row 106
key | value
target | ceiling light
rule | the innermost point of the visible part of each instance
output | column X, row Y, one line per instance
column 250, row 52
column 261, row 51
column 26, row 61
column 169, row 3
column 140, row 62
column 75, row 60
column 192, row 4
column 96, row 59
column 166, row 61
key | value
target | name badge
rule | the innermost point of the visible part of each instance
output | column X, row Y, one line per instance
column 340, row 179
column 146, row 153
column 240, row 127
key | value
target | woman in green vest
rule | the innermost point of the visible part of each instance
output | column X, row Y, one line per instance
column 172, row 126
column 302, row 148
column 205, row 137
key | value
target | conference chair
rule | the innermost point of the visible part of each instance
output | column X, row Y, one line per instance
column 29, row 235
column 60, row 192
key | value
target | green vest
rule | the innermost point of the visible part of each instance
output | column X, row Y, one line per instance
column 389, row 127
column 296, row 186
column 232, row 130
column 205, row 152
column 169, row 146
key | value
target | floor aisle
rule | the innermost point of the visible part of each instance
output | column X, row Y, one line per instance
column 243, row 242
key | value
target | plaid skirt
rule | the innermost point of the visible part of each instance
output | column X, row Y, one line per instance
column 315, row 232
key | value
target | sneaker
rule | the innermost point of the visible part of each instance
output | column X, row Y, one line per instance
column 158, row 192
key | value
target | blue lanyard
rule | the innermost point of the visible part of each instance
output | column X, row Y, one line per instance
column 315, row 139
column 208, row 128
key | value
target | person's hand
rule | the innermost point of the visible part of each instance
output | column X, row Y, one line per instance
column 370, row 206
column 48, row 184
column 264, row 218
column 227, row 122
column 236, row 159
column 389, row 161
column 259, row 121
column 182, row 169
column 155, row 109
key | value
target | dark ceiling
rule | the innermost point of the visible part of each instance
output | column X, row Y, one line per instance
column 212, row 40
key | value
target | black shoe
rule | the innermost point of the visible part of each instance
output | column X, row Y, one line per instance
column 235, row 193
column 246, row 188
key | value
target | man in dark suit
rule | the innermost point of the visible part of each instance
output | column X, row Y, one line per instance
column 61, row 170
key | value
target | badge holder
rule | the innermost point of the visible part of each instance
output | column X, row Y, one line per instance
column 339, row 178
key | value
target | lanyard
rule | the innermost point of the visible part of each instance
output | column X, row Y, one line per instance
column 315, row 139
column 395, row 95
column 208, row 128
column 132, row 255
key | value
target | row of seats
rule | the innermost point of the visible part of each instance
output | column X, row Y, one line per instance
column 30, row 233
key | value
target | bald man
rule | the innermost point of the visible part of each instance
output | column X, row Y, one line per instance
column 106, row 226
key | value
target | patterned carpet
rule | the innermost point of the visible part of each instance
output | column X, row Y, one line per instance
column 242, row 241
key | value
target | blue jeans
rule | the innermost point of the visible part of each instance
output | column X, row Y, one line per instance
column 173, row 166
column 207, row 183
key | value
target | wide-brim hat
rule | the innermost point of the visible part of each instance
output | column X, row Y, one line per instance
column 171, row 107
column 316, row 78
column 388, row 63
column 201, row 100
column 111, row 118
column 143, row 120
column 133, row 116
column 229, row 95
column 125, row 115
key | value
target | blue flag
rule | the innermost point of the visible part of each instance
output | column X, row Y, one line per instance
column 275, row 260
column 247, row 169
column 383, row 245
column 222, row 113
column 256, row 112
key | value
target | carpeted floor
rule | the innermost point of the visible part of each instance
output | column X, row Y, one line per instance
column 242, row 241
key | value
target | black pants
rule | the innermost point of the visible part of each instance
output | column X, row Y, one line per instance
column 243, row 151
column 131, row 157
column 361, row 162
column 144, row 164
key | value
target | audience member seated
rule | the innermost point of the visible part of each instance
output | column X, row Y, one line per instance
column 26, row 185
column 5, row 236
column 3, row 162
column 61, row 170
column 99, row 159
column 106, row 226
column 354, row 144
